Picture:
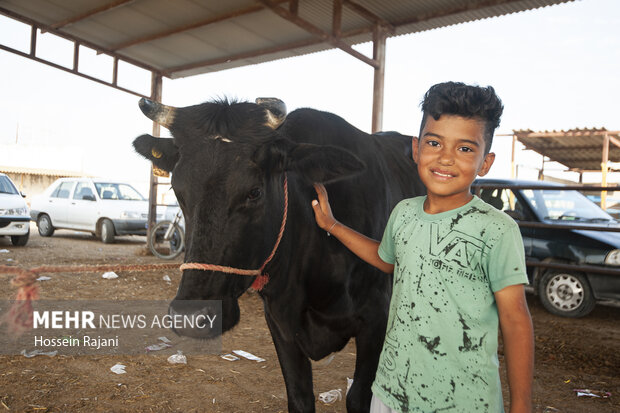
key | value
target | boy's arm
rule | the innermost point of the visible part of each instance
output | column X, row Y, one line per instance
column 518, row 336
column 362, row 246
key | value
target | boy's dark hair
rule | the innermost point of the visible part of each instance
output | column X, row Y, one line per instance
column 456, row 98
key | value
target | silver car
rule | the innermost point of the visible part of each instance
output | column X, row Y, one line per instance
column 104, row 207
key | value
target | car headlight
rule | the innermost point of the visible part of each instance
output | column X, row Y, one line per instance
column 130, row 215
column 613, row 257
column 14, row 211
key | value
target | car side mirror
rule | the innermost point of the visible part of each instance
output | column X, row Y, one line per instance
column 88, row 197
column 22, row 194
column 516, row 215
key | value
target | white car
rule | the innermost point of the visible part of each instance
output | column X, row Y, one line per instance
column 101, row 206
column 14, row 218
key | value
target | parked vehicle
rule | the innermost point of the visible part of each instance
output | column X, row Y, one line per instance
column 14, row 216
column 104, row 207
column 167, row 239
column 544, row 216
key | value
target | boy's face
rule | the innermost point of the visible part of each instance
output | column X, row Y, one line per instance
column 450, row 153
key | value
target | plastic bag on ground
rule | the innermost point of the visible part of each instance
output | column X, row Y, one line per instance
column 118, row 368
column 331, row 396
column 248, row 356
column 178, row 358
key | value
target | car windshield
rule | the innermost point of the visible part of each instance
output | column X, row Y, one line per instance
column 6, row 187
column 116, row 191
column 564, row 205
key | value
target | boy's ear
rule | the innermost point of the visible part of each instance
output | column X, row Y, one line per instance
column 486, row 164
column 160, row 151
column 316, row 163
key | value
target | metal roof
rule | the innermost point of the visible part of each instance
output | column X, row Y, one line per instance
column 577, row 149
column 39, row 171
column 188, row 37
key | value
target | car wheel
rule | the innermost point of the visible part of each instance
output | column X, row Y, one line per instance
column 44, row 224
column 566, row 294
column 107, row 231
column 20, row 240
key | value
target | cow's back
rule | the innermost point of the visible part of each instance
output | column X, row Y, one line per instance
column 364, row 201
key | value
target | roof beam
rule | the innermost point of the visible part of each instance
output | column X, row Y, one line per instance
column 239, row 56
column 367, row 14
column 337, row 18
column 45, row 28
column 318, row 32
column 73, row 70
column 90, row 13
column 254, row 53
column 195, row 25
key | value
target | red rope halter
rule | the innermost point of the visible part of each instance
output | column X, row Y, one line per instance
column 262, row 278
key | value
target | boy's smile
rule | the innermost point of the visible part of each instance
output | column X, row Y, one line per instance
column 450, row 153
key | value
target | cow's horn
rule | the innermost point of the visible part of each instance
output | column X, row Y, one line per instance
column 155, row 111
column 276, row 110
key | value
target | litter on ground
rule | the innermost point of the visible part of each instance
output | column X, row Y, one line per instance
column 178, row 358
column 592, row 393
column 33, row 353
column 118, row 368
column 331, row 396
column 248, row 356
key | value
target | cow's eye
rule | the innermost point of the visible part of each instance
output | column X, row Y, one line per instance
column 254, row 194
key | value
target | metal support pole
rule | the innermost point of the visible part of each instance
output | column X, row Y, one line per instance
column 156, row 86
column 513, row 169
column 604, row 168
column 379, row 41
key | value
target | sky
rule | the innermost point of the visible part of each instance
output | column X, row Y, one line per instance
column 554, row 68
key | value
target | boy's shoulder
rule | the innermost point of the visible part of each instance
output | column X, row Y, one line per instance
column 489, row 220
column 409, row 205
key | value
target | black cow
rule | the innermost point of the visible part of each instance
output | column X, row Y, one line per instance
column 228, row 164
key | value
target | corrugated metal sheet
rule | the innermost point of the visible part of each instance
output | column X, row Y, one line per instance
column 577, row 149
column 38, row 171
column 187, row 37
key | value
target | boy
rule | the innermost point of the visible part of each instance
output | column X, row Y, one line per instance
column 458, row 266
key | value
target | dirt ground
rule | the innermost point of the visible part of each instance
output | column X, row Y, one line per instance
column 570, row 353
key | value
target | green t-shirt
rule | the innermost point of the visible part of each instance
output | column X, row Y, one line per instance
column 440, row 348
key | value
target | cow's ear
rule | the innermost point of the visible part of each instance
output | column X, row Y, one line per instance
column 160, row 151
column 323, row 163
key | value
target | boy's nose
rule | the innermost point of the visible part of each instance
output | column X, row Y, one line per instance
column 446, row 158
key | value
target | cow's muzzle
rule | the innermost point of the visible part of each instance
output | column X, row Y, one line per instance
column 203, row 319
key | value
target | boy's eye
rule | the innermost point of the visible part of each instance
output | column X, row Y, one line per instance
column 432, row 143
column 466, row 149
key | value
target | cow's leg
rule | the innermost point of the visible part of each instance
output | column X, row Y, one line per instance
column 296, row 369
column 368, row 345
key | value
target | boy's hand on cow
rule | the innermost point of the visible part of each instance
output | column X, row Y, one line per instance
column 322, row 210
